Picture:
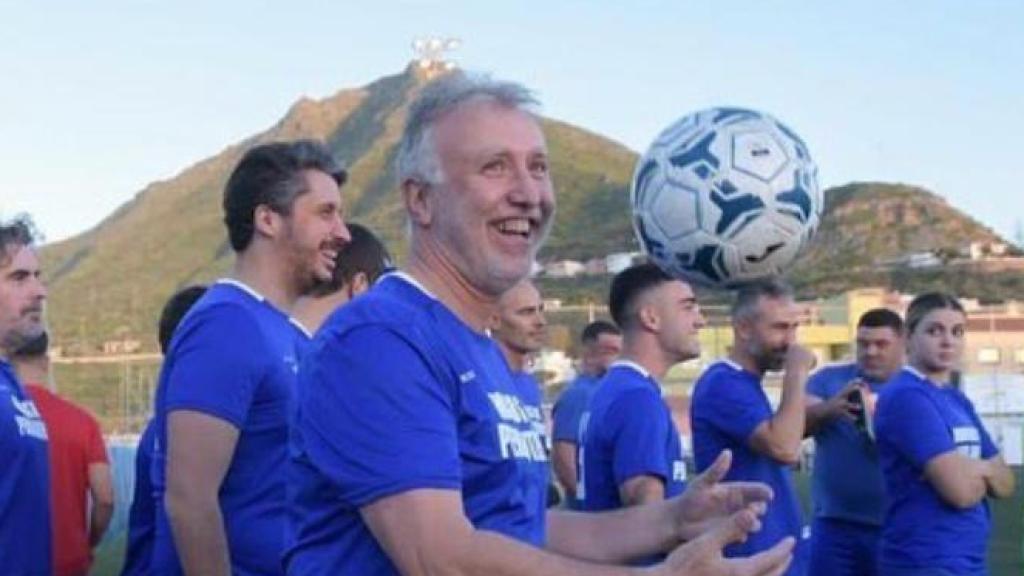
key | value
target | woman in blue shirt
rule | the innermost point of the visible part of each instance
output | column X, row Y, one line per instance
column 940, row 464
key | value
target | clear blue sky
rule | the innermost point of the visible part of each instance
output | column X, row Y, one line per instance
column 100, row 98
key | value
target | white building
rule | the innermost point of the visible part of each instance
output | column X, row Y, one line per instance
column 555, row 365
column 564, row 269
column 619, row 261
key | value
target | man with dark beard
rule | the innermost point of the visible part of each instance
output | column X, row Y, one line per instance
column 730, row 410
column 25, row 471
column 228, row 381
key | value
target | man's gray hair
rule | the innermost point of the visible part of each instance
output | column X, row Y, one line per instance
column 748, row 297
column 417, row 157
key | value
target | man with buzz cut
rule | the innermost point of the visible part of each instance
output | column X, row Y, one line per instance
column 410, row 449
column 600, row 345
column 25, row 537
column 520, row 329
column 847, row 484
column 730, row 410
column 630, row 451
column 227, row 384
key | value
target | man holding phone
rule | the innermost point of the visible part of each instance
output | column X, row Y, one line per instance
column 847, row 484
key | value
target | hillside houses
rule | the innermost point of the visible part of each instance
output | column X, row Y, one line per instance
column 610, row 264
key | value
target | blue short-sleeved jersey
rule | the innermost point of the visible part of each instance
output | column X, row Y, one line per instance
column 25, row 538
column 234, row 357
column 916, row 421
column 847, row 480
column 628, row 432
column 569, row 408
column 532, row 399
column 533, row 402
column 142, row 516
column 396, row 393
column 728, row 405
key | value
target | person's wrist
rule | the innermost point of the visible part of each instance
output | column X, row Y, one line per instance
column 986, row 470
column 798, row 367
column 677, row 529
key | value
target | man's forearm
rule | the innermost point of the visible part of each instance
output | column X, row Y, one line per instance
column 641, row 490
column 613, row 537
column 788, row 423
column 495, row 555
column 199, row 536
column 960, row 481
column 999, row 478
column 815, row 416
column 424, row 533
column 99, row 520
column 563, row 460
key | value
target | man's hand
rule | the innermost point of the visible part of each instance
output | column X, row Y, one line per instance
column 707, row 501
column 799, row 358
column 703, row 556
column 840, row 405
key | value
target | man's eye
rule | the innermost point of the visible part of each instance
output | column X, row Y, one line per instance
column 496, row 167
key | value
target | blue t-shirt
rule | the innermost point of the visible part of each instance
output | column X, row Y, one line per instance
column 847, row 480
column 627, row 432
column 142, row 515
column 234, row 358
column 532, row 398
column 398, row 394
column 728, row 405
column 25, row 538
column 569, row 408
column 916, row 421
column 533, row 403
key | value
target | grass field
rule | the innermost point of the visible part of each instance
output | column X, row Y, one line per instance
column 1006, row 550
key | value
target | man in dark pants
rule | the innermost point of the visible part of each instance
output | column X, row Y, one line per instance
column 601, row 344
column 847, row 483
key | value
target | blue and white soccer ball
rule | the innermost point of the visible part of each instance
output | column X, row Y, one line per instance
column 725, row 197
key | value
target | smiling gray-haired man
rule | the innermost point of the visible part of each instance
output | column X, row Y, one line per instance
column 411, row 446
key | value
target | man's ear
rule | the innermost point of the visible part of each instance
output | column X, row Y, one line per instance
column 648, row 317
column 360, row 283
column 416, row 195
column 744, row 327
column 493, row 322
column 266, row 222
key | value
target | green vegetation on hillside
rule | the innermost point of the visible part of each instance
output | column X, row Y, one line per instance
column 110, row 282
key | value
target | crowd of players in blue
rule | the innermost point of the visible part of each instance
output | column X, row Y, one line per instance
column 403, row 435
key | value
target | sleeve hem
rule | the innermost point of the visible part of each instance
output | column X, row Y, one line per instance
column 369, row 496
column 215, row 411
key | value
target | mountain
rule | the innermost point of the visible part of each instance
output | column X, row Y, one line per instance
column 870, row 230
column 110, row 282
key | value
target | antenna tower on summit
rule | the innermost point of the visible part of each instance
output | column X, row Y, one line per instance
column 430, row 54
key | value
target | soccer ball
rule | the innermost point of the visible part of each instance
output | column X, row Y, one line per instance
column 725, row 197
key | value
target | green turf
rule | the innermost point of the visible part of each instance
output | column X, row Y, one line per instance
column 1006, row 545
column 109, row 556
